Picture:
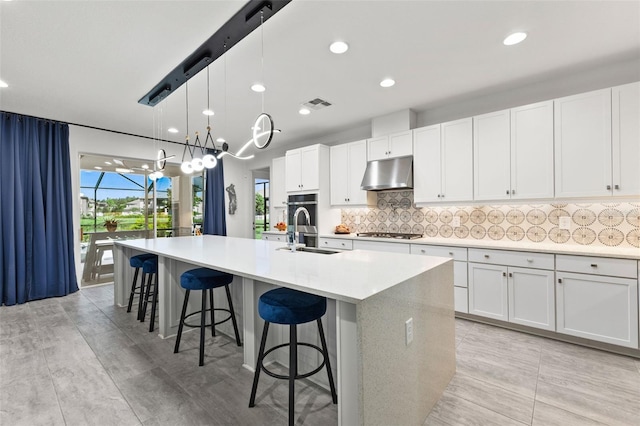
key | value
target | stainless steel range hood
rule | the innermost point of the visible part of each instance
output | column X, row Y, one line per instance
column 394, row 173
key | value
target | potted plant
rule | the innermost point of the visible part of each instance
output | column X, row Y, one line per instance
column 111, row 224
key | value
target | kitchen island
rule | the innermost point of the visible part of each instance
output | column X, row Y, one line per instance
column 382, row 378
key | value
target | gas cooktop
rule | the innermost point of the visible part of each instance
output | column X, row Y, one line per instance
column 389, row 235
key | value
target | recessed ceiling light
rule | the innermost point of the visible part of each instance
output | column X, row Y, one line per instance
column 514, row 38
column 387, row 82
column 220, row 140
column 258, row 87
column 123, row 170
column 108, row 163
column 208, row 112
column 172, row 130
column 338, row 47
column 145, row 166
column 97, row 167
column 304, row 111
column 3, row 84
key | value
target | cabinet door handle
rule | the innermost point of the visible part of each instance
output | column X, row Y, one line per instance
column 513, row 191
column 608, row 186
column 594, row 265
column 507, row 192
column 559, row 280
column 284, row 202
column 504, row 274
column 510, row 275
column 616, row 186
column 423, row 251
column 442, row 195
column 439, row 195
column 450, row 253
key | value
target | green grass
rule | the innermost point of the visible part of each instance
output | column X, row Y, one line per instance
column 259, row 228
column 125, row 223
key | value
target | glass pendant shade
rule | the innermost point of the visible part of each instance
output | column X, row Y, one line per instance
column 197, row 164
column 186, row 167
column 209, row 161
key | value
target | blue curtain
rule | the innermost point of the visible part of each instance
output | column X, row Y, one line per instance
column 36, row 219
column 214, row 219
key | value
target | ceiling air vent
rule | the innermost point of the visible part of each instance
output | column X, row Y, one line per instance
column 317, row 104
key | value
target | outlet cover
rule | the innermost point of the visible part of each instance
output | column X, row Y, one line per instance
column 564, row 222
column 455, row 222
column 408, row 326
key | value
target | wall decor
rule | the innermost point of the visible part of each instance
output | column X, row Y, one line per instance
column 233, row 201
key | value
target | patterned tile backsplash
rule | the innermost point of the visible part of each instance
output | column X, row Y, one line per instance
column 605, row 224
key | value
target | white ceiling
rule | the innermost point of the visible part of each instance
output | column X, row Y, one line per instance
column 88, row 62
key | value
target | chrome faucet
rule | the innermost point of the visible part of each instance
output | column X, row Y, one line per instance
column 291, row 234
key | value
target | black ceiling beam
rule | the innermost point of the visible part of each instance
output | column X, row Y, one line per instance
column 235, row 29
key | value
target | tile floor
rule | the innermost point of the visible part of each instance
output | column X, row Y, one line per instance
column 79, row 360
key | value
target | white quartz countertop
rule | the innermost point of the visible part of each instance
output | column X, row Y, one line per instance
column 349, row 276
column 617, row 252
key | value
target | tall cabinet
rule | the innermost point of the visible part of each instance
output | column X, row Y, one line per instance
column 348, row 163
column 583, row 145
column 513, row 153
column 625, row 131
column 443, row 162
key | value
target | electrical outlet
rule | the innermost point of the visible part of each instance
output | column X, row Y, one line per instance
column 455, row 222
column 564, row 222
column 408, row 328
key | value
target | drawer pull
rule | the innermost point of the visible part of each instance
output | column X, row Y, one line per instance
column 559, row 280
column 594, row 265
column 450, row 253
column 510, row 275
column 608, row 186
column 486, row 256
column 504, row 274
column 616, row 186
column 342, row 244
column 529, row 260
column 423, row 251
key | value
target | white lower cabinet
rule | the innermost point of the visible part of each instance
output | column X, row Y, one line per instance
column 274, row 237
column 500, row 288
column 596, row 307
column 531, row 297
column 488, row 291
column 460, row 282
column 335, row 243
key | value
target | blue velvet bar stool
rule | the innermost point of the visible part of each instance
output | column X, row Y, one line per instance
column 136, row 262
column 150, row 290
column 291, row 307
column 206, row 280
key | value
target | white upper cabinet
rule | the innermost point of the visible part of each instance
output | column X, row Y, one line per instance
column 583, row 145
column 394, row 145
column 348, row 163
column 443, row 162
column 532, row 151
column 302, row 169
column 626, row 139
column 278, row 194
column 491, row 156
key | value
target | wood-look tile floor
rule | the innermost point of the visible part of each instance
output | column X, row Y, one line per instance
column 79, row 360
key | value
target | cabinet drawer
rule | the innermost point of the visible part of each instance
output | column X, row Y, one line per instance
column 627, row 268
column 273, row 237
column 336, row 244
column 460, row 300
column 381, row 246
column 512, row 258
column 456, row 253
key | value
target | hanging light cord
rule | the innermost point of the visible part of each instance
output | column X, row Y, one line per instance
column 262, row 54
column 186, row 145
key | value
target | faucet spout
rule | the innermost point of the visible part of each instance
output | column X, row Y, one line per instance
column 291, row 234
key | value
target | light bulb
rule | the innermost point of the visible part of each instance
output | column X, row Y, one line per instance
column 208, row 112
column 258, row 87
column 186, row 167
column 159, row 174
column 209, row 161
column 197, row 164
column 514, row 38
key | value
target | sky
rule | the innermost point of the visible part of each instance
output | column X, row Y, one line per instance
column 123, row 187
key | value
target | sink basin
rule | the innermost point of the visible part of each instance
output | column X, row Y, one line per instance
column 312, row 250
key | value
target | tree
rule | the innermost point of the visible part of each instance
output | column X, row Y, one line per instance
column 259, row 204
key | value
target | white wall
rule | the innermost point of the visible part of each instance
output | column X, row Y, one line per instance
column 83, row 140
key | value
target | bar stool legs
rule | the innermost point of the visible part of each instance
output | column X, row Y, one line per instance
column 203, row 324
column 133, row 289
column 293, row 365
